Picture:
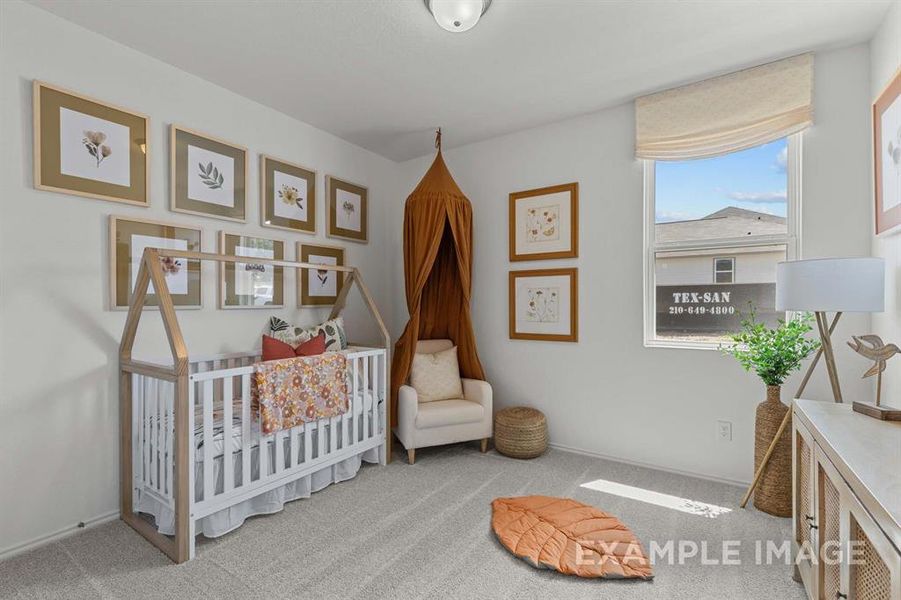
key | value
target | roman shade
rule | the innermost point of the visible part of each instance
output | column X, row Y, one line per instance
column 727, row 113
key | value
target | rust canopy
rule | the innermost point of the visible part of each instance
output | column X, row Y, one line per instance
column 437, row 273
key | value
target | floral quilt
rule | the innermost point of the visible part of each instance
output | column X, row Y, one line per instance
column 293, row 391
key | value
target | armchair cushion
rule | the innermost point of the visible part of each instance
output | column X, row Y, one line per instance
column 441, row 413
column 436, row 376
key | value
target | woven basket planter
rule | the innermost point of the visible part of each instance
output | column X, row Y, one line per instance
column 520, row 432
column 774, row 492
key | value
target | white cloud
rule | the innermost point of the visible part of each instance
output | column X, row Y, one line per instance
column 782, row 159
column 759, row 197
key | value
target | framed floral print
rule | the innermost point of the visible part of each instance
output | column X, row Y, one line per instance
column 287, row 196
column 887, row 159
column 208, row 176
column 128, row 239
column 250, row 284
column 89, row 148
column 319, row 288
column 544, row 223
column 544, row 305
column 347, row 207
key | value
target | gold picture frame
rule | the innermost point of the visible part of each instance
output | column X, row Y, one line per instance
column 237, row 278
column 208, row 176
column 280, row 182
column 544, row 223
column 350, row 221
column 125, row 252
column 533, row 315
column 324, row 281
column 89, row 148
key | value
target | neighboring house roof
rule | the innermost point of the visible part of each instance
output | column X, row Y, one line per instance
column 729, row 222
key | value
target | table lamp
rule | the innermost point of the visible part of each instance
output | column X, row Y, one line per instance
column 822, row 285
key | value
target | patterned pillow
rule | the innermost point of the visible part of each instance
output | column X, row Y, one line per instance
column 335, row 338
column 436, row 376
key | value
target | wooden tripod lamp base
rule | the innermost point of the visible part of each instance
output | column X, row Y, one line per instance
column 883, row 413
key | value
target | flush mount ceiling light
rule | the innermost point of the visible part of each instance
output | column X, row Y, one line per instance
column 457, row 16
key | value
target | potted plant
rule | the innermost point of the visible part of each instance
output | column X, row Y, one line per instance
column 773, row 353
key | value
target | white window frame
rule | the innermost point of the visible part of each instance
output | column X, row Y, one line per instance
column 791, row 239
column 730, row 271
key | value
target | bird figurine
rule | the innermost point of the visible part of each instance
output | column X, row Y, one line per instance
column 872, row 347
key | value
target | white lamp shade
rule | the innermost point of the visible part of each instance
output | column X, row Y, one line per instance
column 831, row 285
column 456, row 15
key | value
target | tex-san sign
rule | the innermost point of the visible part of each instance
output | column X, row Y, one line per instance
column 702, row 297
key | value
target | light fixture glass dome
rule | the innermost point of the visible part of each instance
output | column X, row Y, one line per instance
column 457, row 15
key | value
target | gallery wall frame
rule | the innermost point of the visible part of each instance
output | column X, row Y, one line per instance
column 277, row 174
column 244, row 285
column 208, row 175
column 347, row 210
column 328, row 283
column 887, row 155
column 544, row 223
column 544, row 304
column 76, row 138
column 126, row 251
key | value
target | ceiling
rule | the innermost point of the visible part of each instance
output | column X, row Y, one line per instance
column 383, row 75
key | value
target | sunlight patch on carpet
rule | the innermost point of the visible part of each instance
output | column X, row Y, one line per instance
column 702, row 509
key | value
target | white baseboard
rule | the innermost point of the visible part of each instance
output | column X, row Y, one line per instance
column 635, row 463
column 56, row 535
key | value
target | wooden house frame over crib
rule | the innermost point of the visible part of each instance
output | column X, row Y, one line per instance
column 179, row 547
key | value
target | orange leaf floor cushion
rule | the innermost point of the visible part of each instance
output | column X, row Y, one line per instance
column 568, row 536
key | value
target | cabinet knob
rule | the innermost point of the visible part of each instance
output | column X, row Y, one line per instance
column 840, row 595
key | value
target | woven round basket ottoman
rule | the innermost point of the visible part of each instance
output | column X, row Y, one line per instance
column 520, row 432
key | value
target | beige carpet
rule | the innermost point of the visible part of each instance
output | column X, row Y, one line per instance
column 420, row 531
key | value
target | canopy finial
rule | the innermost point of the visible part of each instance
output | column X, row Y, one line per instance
column 438, row 139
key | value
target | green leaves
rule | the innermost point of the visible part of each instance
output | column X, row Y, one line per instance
column 210, row 176
column 773, row 353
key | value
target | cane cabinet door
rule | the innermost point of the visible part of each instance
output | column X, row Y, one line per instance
column 805, row 525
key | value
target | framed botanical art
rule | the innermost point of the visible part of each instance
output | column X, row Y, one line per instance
column 319, row 288
column 287, row 196
column 887, row 159
column 251, row 285
column 208, row 176
column 544, row 305
column 89, row 148
column 128, row 239
column 347, row 205
column 544, row 223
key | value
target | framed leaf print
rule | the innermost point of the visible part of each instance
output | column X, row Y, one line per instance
column 319, row 288
column 544, row 223
column 251, row 285
column 887, row 158
column 347, row 205
column 208, row 176
column 128, row 239
column 89, row 148
column 544, row 305
column 287, row 196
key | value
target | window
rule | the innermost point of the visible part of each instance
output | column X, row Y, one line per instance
column 715, row 229
column 723, row 270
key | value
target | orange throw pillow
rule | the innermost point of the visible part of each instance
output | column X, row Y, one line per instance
column 274, row 349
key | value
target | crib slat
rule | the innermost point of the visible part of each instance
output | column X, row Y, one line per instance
column 169, row 400
column 320, row 437
column 152, row 476
column 356, row 400
column 363, row 401
column 264, row 456
column 307, row 442
column 333, row 433
column 373, row 386
column 142, row 448
column 228, row 467
column 245, row 429
column 208, row 465
column 295, row 446
column 279, row 441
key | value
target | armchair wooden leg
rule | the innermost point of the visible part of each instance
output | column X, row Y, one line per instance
column 484, row 445
column 411, row 455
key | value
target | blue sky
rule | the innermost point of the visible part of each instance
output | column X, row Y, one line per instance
column 754, row 179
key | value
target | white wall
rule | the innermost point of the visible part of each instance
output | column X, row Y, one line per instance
column 58, row 346
column 608, row 394
column 885, row 56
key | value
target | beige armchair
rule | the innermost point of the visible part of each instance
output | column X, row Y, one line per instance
column 424, row 424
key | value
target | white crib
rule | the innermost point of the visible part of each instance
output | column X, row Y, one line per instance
column 233, row 461
column 190, row 445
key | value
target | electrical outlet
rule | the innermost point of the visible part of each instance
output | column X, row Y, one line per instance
column 724, row 431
